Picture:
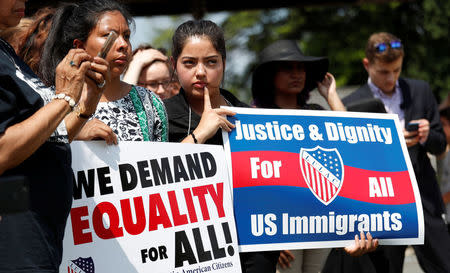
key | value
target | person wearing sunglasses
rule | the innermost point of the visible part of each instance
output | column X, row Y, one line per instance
column 414, row 103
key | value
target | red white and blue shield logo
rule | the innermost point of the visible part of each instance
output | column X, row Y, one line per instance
column 81, row 265
column 323, row 171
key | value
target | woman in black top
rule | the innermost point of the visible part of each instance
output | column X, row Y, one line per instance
column 194, row 114
column 285, row 77
column 199, row 58
column 35, row 129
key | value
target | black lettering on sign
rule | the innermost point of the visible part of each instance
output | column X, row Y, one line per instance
column 219, row 252
column 128, row 177
column 81, row 183
column 144, row 174
column 183, row 249
column 193, row 164
column 209, row 164
column 161, row 174
column 104, row 180
column 179, row 170
column 154, row 254
column 203, row 255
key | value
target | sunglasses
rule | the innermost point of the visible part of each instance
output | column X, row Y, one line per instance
column 381, row 47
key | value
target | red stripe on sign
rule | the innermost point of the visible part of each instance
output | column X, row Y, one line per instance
column 329, row 189
column 313, row 178
column 290, row 171
column 324, row 190
column 306, row 171
column 355, row 185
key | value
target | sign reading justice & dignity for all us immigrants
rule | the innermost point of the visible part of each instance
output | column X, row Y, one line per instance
column 150, row 207
column 310, row 179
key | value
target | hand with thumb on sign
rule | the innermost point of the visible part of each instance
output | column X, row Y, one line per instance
column 212, row 119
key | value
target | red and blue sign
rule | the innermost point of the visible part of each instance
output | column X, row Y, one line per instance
column 309, row 179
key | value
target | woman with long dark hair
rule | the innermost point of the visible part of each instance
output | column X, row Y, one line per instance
column 199, row 58
column 125, row 112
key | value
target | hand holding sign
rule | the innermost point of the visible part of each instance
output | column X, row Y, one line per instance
column 362, row 246
column 212, row 119
column 96, row 129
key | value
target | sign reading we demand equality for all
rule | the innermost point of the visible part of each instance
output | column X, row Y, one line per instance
column 311, row 179
column 150, row 207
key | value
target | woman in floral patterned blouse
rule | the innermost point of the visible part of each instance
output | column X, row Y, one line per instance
column 125, row 112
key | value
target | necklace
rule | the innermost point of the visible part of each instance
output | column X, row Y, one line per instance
column 190, row 114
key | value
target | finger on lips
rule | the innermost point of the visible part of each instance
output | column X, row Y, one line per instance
column 207, row 100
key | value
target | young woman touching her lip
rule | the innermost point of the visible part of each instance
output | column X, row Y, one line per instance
column 199, row 58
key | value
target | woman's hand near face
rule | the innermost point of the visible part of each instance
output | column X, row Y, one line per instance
column 211, row 121
column 15, row 146
column 327, row 88
column 98, row 74
column 140, row 60
column 96, row 78
column 95, row 129
column 71, row 72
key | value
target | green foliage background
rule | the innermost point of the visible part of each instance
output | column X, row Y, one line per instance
column 340, row 32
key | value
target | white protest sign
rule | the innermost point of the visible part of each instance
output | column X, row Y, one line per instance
column 150, row 207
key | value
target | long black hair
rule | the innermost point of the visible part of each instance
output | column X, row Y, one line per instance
column 73, row 21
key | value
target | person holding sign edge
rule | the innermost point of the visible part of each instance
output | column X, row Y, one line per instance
column 284, row 79
column 36, row 125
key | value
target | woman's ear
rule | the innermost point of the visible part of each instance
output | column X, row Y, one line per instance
column 173, row 63
column 78, row 44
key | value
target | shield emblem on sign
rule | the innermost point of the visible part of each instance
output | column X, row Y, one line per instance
column 323, row 171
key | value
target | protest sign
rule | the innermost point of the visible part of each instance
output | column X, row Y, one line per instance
column 310, row 179
column 150, row 207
